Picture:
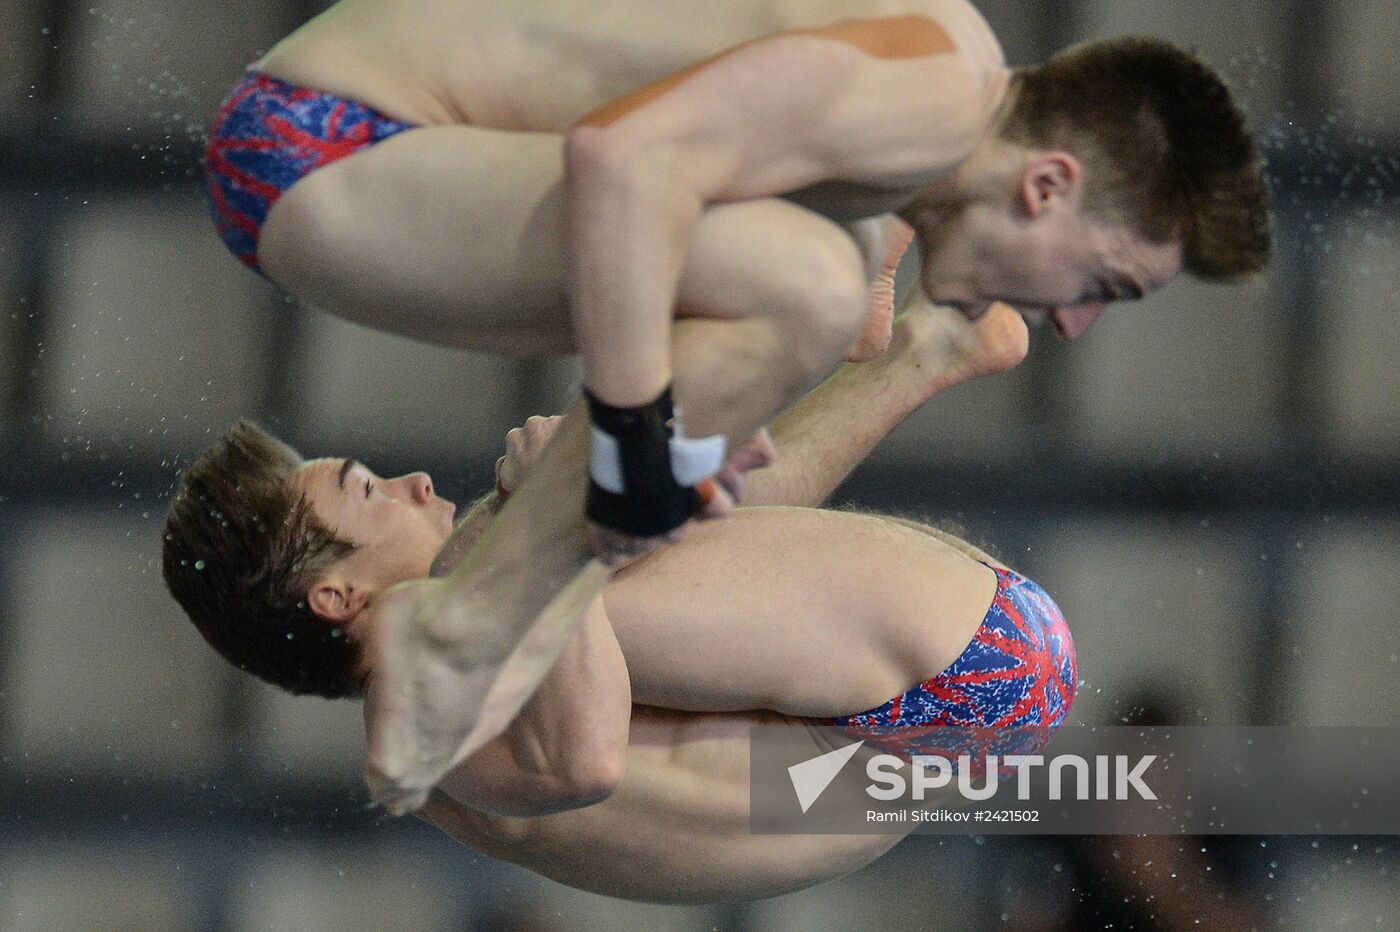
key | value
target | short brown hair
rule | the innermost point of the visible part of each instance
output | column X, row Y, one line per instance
column 241, row 547
column 1164, row 146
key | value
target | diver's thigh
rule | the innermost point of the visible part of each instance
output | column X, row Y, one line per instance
column 454, row 234
column 447, row 230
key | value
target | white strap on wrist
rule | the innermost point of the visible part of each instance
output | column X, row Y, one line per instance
column 692, row 459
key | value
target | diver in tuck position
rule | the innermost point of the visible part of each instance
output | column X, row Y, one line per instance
column 626, row 772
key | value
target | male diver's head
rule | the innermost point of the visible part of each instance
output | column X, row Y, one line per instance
column 273, row 557
column 1111, row 167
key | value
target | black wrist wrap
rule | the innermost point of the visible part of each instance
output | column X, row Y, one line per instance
column 652, row 503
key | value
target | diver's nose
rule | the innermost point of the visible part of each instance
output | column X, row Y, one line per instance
column 420, row 487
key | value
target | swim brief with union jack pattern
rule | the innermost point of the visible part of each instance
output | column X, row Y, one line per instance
column 267, row 136
column 1005, row 694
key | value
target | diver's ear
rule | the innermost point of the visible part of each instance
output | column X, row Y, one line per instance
column 1048, row 181
column 336, row 599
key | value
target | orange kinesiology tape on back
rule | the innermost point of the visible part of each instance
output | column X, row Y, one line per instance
column 887, row 37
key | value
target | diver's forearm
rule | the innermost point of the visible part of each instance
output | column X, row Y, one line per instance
column 525, row 550
column 567, row 746
column 531, row 575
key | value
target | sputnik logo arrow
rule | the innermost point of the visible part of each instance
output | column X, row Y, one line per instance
column 811, row 777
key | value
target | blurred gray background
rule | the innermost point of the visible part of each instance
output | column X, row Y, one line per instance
column 1209, row 484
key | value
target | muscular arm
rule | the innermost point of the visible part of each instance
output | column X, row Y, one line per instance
column 772, row 116
column 566, row 747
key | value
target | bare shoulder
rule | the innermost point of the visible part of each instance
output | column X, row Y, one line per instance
column 919, row 105
column 976, row 42
column 899, row 28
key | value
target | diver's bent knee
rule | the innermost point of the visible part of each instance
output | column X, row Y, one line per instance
column 828, row 292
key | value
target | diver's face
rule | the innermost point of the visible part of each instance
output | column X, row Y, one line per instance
column 1067, row 273
column 397, row 525
column 1060, row 265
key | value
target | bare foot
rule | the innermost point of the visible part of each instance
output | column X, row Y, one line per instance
column 942, row 342
column 880, row 311
column 431, row 673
